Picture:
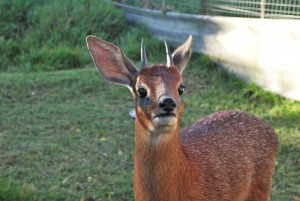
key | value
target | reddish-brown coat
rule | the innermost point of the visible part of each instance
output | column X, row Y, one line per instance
column 226, row 156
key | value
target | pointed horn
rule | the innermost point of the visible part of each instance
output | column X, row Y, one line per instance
column 169, row 56
column 143, row 55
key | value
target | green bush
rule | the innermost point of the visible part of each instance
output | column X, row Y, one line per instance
column 63, row 56
column 130, row 42
column 70, row 21
column 9, row 53
column 50, row 35
column 14, row 17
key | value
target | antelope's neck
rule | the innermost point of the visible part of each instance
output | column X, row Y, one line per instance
column 159, row 162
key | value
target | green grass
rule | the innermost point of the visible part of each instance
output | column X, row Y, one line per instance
column 65, row 135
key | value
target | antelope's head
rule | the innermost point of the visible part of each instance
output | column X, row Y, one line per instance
column 157, row 90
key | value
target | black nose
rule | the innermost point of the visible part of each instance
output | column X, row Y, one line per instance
column 168, row 104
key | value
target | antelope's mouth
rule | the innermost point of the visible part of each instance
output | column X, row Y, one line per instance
column 165, row 115
column 165, row 121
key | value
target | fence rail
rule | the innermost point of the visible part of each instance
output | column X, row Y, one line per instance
column 270, row 9
column 266, row 52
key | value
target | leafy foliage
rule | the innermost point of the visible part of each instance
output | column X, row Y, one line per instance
column 50, row 35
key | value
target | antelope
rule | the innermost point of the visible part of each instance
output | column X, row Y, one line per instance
column 225, row 156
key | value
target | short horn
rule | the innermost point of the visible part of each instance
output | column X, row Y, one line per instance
column 143, row 55
column 169, row 56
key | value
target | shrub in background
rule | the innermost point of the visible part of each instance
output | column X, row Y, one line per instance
column 130, row 43
column 13, row 23
column 70, row 21
column 61, row 57
column 9, row 53
column 14, row 17
column 41, row 35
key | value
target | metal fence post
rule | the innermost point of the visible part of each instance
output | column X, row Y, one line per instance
column 163, row 6
column 262, row 9
column 203, row 7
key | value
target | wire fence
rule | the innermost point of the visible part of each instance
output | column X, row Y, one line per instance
column 270, row 9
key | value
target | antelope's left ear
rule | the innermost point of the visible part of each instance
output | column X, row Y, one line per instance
column 182, row 54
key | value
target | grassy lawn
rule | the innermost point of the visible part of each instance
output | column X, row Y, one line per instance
column 65, row 135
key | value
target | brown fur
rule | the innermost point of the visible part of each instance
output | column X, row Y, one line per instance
column 228, row 155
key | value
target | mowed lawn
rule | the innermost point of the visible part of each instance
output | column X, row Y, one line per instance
column 66, row 135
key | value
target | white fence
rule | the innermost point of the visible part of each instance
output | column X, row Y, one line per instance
column 266, row 52
column 270, row 9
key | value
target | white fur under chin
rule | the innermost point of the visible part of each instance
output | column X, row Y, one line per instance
column 164, row 124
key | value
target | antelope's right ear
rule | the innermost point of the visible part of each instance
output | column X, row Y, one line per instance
column 110, row 61
column 182, row 54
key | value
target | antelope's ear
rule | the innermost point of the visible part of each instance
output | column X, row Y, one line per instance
column 110, row 61
column 182, row 54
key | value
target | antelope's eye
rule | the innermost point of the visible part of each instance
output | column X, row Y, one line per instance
column 180, row 90
column 142, row 92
